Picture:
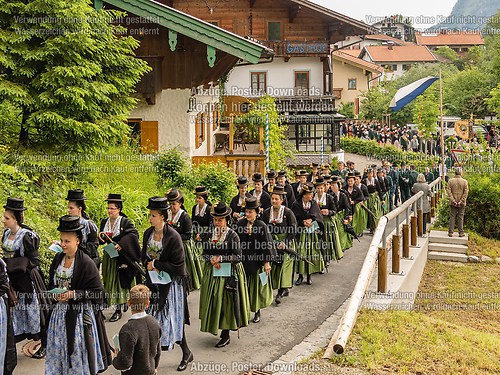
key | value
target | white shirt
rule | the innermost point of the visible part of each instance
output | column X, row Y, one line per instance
column 139, row 315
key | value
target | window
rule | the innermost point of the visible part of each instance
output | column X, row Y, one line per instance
column 406, row 66
column 274, row 31
column 391, row 67
column 199, row 130
column 352, row 84
column 302, row 83
column 258, row 82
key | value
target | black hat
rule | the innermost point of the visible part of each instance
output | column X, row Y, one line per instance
column 272, row 174
column 282, row 173
column 319, row 181
column 327, row 178
column 369, row 170
column 335, row 179
column 349, row 175
column 302, row 172
column 278, row 189
column 15, row 204
column 325, row 166
column 114, row 198
column 314, row 165
column 252, row 203
column 201, row 190
column 242, row 180
column 174, row 195
column 357, row 174
column 158, row 203
column 257, row 177
column 307, row 188
column 75, row 195
column 220, row 210
column 69, row 223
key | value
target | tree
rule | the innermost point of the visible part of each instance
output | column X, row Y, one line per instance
column 66, row 74
column 376, row 101
column 347, row 109
column 426, row 115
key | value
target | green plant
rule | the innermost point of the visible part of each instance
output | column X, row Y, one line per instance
column 219, row 181
column 169, row 166
column 347, row 109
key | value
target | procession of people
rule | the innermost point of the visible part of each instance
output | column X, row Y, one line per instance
column 243, row 256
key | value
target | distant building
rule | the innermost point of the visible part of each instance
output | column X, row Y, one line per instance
column 458, row 41
column 358, row 42
column 397, row 27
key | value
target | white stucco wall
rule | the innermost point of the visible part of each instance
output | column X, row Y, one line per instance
column 176, row 126
column 280, row 77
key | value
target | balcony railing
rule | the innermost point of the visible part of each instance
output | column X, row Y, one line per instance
column 289, row 48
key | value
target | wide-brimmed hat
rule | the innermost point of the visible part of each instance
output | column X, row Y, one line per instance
column 314, row 165
column 75, row 195
column 319, row 181
column 325, row 166
column 69, row 223
column 282, row 173
column 15, row 204
column 307, row 188
column 357, row 174
column 327, row 178
column 114, row 198
column 173, row 195
column 272, row 174
column 241, row 181
column 278, row 189
column 335, row 179
column 349, row 175
column 302, row 172
column 201, row 190
column 251, row 203
column 257, row 177
column 220, row 209
column 158, row 203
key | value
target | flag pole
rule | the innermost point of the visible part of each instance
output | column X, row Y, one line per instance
column 442, row 123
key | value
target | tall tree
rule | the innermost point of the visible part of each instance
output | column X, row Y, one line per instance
column 66, row 74
column 425, row 115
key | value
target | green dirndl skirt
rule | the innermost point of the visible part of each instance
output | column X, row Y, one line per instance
column 339, row 254
column 115, row 294
column 386, row 206
column 331, row 239
column 217, row 303
column 344, row 237
column 260, row 295
column 282, row 273
column 373, row 203
column 359, row 219
column 193, row 263
column 309, row 246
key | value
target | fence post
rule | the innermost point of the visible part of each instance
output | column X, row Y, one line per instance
column 382, row 270
column 420, row 222
column 433, row 205
column 395, row 253
column 413, row 231
column 406, row 241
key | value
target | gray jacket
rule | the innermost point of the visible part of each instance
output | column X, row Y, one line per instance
column 423, row 186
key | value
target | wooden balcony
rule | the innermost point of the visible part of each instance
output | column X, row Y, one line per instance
column 293, row 48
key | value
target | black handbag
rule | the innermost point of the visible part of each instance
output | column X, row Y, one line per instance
column 231, row 282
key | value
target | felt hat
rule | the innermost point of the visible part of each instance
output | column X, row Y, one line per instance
column 68, row 223
column 114, row 198
column 75, row 195
column 220, row 209
column 15, row 204
column 158, row 203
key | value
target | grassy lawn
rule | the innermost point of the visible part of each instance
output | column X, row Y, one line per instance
column 483, row 246
column 455, row 328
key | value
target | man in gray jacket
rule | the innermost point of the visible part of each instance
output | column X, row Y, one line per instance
column 458, row 190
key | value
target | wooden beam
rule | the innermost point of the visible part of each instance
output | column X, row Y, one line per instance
column 293, row 10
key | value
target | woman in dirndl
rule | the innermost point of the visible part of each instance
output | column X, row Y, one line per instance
column 343, row 216
column 331, row 240
column 310, row 225
column 76, row 339
column 258, row 252
column 76, row 207
column 8, row 355
column 119, row 274
column 360, row 215
column 283, row 227
column 373, row 203
column 200, row 215
column 179, row 219
column 20, row 251
column 224, row 302
column 163, row 251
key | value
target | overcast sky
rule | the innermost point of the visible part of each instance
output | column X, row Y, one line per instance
column 425, row 12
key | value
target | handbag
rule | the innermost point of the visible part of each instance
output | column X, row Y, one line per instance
column 231, row 282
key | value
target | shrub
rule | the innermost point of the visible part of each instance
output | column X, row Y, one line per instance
column 219, row 181
column 169, row 166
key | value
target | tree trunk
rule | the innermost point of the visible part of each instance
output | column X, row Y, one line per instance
column 23, row 133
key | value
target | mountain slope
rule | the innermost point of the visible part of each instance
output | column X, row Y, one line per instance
column 470, row 15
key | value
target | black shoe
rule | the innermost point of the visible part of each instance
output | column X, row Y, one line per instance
column 125, row 307
column 40, row 353
column 299, row 280
column 286, row 293
column 256, row 318
column 322, row 272
column 309, row 281
column 117, row 315
column 278, row 299
column 223, row 342
column 184, row 363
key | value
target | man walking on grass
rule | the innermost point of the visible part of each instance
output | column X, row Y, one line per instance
column 458, row 189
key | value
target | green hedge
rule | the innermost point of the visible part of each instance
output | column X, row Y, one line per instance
column 372, row 150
